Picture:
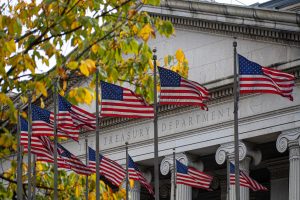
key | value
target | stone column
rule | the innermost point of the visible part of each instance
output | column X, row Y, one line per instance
column 246, row 154
column 290, row 140
column 182, row 191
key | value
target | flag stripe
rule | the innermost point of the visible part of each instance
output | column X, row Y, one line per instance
column 245, row 180
column 192, row 177
column 176, row 90
column 254, row 78
column 108, row 168
column 135, row 174
column 122, row 102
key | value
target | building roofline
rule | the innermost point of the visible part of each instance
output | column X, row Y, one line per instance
column 229, row 10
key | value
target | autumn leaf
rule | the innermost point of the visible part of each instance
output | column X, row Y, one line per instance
column 146, row 32
column 180, row 55
column 11, row 46
column 84, row 68
column 95, row 48
column 42, row 103
column 72, row 65
column 41, row 89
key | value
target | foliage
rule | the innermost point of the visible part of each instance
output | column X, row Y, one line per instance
column 71, row 185
column 71, row 38
column 43, row 42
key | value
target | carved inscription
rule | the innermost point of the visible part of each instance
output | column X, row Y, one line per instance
column 193, row 120
column 167, row 126
column 126, row 135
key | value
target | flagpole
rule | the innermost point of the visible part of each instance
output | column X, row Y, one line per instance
column 127, row 175
column 34, row 177
column 55, row 196
column 19, row 169
column 174, row 173
column 29, row 143
column 236, row 132
column 86, row 163
column 97, row 138
column 156, row 165
column 228, row 176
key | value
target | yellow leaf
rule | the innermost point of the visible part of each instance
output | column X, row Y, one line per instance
column 72, row 65
column 74, row 25
column 11, row 46
column 91, row 65
column 64, row 85
column 84, row 68
column 42, row 103
column 15, row 147
column 92, row 196
column 131, row 183
column 77, row 191
column 88, row 97
column 2, row 140
column 92, row 84
column 40, row 88
column 95, row 48
column 72, row 93
column 134, row 29
column 1, row 27
column 39, row 166
column 24, row 115
column 62, row 93
column 146, row 32
column 29, row 64
column 24, row 99
column 180, row 55
column 166, row 60
column 150, row 62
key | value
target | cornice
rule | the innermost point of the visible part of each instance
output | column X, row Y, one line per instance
column 234, row 21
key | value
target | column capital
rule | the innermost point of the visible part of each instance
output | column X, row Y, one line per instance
column 287, row 139
column 186, row 159
column 245, row 149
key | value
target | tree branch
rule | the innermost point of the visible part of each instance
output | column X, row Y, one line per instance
column 15, row 182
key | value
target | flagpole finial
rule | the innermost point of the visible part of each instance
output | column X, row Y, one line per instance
column 154, row 53
column 234, row 43
column 154, row 50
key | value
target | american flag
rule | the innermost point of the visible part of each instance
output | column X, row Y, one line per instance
column 41, row 146
column 245, row 180
column 70, row 115
column 176, row 90
column 192, row 177
column 135, row 174
column 74, row 163
column 122, row 102
column 257, row 79
column 42, row 125
column 111, row 170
